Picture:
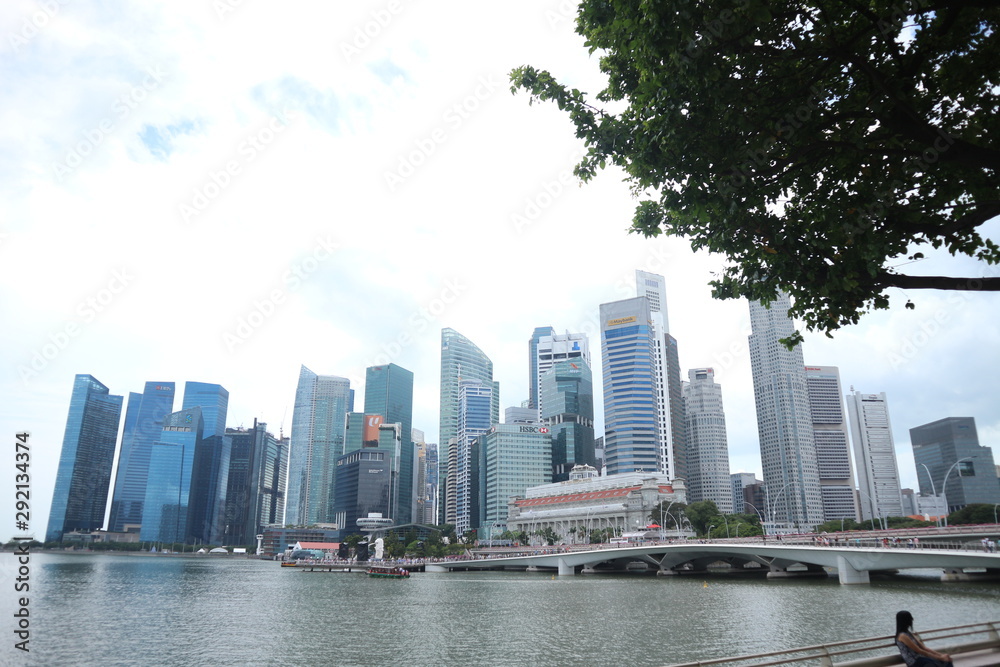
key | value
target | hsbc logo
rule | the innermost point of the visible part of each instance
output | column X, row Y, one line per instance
column 534, row 429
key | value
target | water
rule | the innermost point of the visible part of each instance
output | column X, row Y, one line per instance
column 135, row 610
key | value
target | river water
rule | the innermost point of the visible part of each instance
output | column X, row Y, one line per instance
column 147, row 610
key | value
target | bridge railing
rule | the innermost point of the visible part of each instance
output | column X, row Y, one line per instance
column 964, row 641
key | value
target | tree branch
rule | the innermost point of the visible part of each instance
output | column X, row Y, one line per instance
column 886, row 279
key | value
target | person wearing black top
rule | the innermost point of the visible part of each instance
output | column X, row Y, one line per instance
column 914, row 653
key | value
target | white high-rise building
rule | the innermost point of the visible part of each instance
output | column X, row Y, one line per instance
column 787, row 447
column 833, row 453
column 708, row 449
column 875, row 453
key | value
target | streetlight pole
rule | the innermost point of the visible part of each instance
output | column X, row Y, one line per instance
column 724, row 518
column 874, row 508
column 763, row 524
column 709, row 533
column 944, row 485
column 768, row 505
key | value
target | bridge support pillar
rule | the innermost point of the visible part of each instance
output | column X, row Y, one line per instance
column 849, row 575
column 565, row 570
column 666, row 572
column 434, row 568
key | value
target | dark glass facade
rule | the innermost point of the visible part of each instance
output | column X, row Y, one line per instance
column 256, row 483
column 960, row 468
column 389, row 393
column 363, row 487
column 211, row 464
column 144, row 416
column 567, row 407
column 166, row 515
column 84, row 475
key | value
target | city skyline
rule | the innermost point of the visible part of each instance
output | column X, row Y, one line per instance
column 185, row 163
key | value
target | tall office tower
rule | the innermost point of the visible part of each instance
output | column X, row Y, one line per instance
column 708, row 448
column 672, row 420
column 318, row 432
column 741, row 481
column 460, row 359
column 638, row 431
column 567, row 408
column 784, row 424
column 211, row 465
column 432, row 493
column 536, row 336
column 255, row 489
column 875, row 454
column 144, row 415
column 166, row 513
column 833, row 454
column 951, row 462
column 552, row 349
column 360, row 489
column 419, row 475
column 520, row 415
column 83, row 478
column 474, row 419
column 389, row 392
column 513, row 457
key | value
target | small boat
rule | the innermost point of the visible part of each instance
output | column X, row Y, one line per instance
column 288, row 563
column 387, row 572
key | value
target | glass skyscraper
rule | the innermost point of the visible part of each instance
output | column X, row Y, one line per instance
column 514, row 457
column 957, row 466
column 461, row 359
column 211, row 465
column 255, row 493
column 88, row 451
column 166, row 513
column 833, row 453
column 567, row 408
column 389, row 393
column 144, row 416
column 475, row 416
column 318, row 432
column 533, row 374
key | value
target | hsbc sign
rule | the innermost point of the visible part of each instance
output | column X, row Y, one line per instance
column 534, row 429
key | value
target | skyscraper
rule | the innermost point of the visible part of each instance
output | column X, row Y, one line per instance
column 460, row 359
column 389, row 393
column 833, row 454
column 166, row 515
column 551, row 349
column 84, row 475
column 255, row 493
column 513, row 458
column 951, row 462
column 533, row 375
column 211, row 464
column 875, row 455
column 475, row 416
column 784, row 424
column 708, row 447
column 318, row 431
column 633, row 402
column 567, row 408
column 144, row 416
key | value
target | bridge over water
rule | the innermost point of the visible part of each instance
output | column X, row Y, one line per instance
column 853, row 564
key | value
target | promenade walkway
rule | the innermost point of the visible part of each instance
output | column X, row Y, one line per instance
column 974, row 645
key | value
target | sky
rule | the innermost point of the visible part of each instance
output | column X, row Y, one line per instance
column 222, row 191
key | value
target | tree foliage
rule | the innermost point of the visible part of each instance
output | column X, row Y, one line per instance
column 975, row 513
column 817, row 145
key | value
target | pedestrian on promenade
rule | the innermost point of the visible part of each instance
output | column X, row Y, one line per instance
column 913, row 651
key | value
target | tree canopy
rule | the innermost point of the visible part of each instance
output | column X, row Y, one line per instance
column 818, row 145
